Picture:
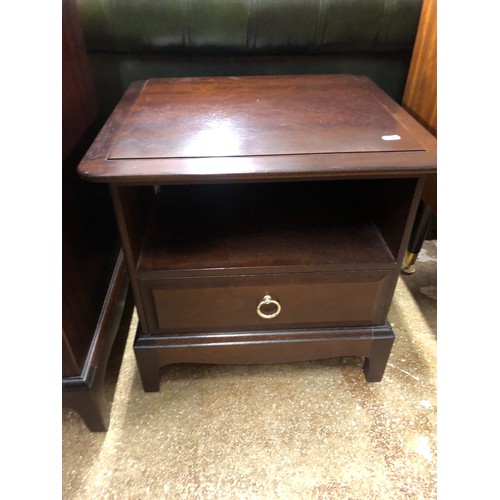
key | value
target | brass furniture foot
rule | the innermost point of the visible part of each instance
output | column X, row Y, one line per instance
column 409, row 262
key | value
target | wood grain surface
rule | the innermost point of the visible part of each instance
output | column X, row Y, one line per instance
column 420, row 97
column 237, row 128
column 203, row 250
column 229, row 303
column 79, row 106
column 255, row 116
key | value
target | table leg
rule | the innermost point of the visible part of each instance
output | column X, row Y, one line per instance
column 147, row 359
column 376, row 361
column 420, row 229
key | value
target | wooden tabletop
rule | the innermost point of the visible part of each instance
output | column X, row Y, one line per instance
column 257, row 128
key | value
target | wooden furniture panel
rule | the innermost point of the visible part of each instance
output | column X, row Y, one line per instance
column 420, row 96
column 94, row 276
column 421, row 85
column 378, row 159
column 372, row 343
column 420, row 100
column 230, row 303
column 78, row 96
column 255, row 117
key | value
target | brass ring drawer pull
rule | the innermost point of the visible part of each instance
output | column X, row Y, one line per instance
column 266, row 300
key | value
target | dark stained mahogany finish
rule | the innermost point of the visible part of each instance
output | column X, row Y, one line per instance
column 78, row 95
column 307, row 299
column 86, row 393
column 266, row 225
column 94, row 277
column 257, row 116
column 156, row 133
column 319, row 217
column 373, row 343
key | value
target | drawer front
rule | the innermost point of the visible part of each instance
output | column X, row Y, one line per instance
column 181, row 305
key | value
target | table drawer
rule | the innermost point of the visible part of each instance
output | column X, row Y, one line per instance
column 228, row 303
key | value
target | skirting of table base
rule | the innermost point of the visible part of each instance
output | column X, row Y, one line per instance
column 373, row 343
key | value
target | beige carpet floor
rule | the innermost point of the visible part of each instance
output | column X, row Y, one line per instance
column 311, row 430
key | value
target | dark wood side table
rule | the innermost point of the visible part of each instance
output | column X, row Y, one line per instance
column 263, row 219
